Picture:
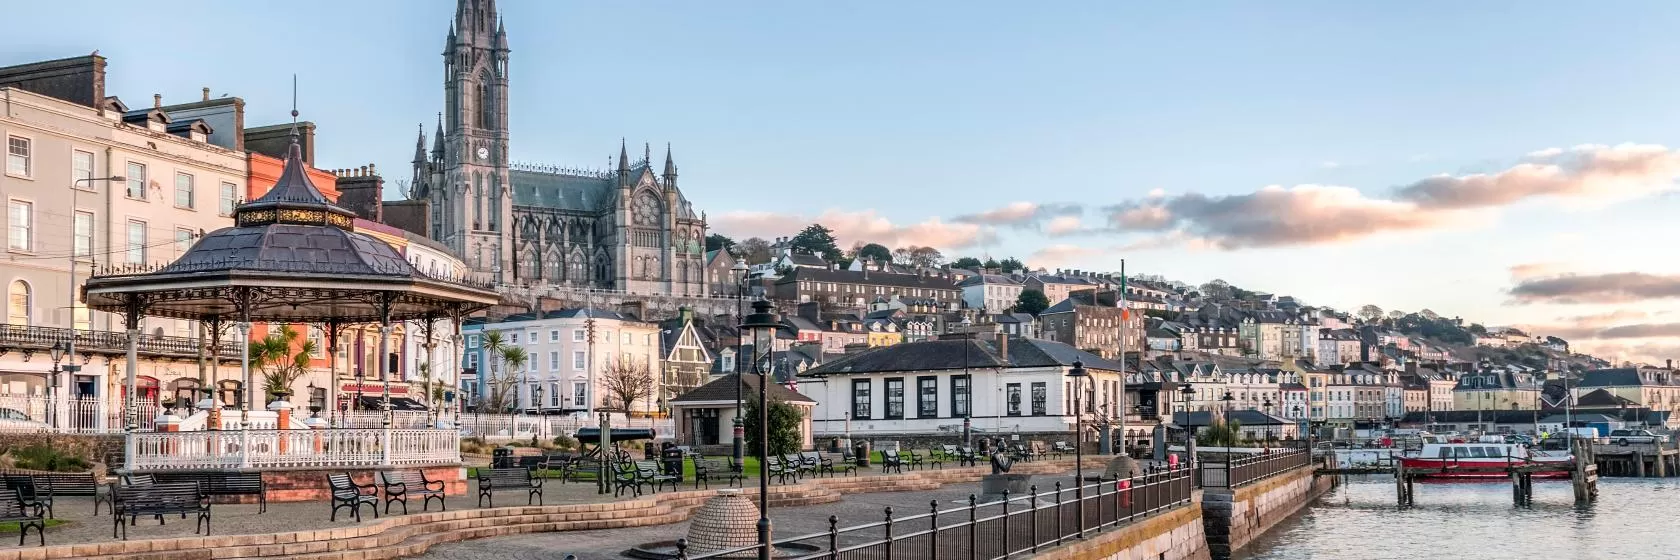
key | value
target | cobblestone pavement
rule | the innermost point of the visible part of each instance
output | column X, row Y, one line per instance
column 853, row 509
column 81, row 526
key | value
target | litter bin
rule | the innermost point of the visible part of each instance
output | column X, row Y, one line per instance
column 672, row 457
column 648, row 454
column 501, row 458
column 861, row 451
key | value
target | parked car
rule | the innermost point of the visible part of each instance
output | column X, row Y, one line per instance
column 1624, row 437
column 15, row 420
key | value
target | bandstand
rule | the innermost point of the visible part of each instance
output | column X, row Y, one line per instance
column 291, row 257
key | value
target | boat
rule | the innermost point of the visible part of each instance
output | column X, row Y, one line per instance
column 1459, row 460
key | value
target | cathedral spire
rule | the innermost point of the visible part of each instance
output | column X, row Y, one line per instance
column 670, row 165
column 623, row 158
column 437, row 139
column 420, row 145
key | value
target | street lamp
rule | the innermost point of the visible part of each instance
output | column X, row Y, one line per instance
column 1266, row 405
column 763, row 323
column 968, row 387
column 537, row 394
column 739, row 433
column 1302, row 420
column 1189, row 392
column 56, row 353
column 1079, row 375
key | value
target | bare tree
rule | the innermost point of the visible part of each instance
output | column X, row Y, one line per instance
column 1370, row 313
column 754, row 250
column 628, row 383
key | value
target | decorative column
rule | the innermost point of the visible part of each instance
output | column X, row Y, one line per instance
column 244, row 327
column 385, row 387
column 131, row 422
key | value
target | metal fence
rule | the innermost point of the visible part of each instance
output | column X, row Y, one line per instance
column 1011, row 526
column 1237, row 472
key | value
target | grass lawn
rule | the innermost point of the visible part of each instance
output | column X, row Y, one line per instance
column 12, row 527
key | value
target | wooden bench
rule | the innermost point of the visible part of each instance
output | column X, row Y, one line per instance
column 223, row 484
column 892, row 461
column 775, row 468
column 399, row 485
column 494, row 480
column 799, row 466
column 14, row 510
column 967, row 457
column 73, row 484
column 159, row 500
column 655, row 476
column 935, row 459
column 707, row 470
column 1060, row 448
column 31, row 494
column 347, row 494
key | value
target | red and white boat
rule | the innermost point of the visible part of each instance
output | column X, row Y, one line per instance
column 1482, row 460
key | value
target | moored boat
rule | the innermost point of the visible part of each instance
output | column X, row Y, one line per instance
column 1483, row 460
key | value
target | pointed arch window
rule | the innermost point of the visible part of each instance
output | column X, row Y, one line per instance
column 486, row 102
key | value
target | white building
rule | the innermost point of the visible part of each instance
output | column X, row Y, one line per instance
column 992, row 292
column 568, row 366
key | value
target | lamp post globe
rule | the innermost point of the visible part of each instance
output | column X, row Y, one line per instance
column 762, row 323
column 1078, row 374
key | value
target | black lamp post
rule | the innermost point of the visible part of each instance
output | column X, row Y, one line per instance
column 739, row 432
column 968, row 387
column 536, row 397
column 1188, row 392
column 1078, row 375
column 763, row 323
column 1266, row 405
column 1300, row 421
column 56, row 353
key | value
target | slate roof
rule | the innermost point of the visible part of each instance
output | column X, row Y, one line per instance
column 806, row 259
column 562, row 191
column 871, row 278
column 722, row 388
column 577, row 313
column 948, row 354
column 988, row 279
column 1613, row 377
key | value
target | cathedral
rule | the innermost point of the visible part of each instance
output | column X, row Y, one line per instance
column 626, row 228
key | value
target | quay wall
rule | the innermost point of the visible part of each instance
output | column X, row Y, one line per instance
column 1174, row 535
column 1233, row 517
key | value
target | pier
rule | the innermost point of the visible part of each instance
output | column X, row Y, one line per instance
column 1638, row 459
column 1583, row 475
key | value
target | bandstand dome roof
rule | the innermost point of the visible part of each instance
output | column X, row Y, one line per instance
column 290, row 256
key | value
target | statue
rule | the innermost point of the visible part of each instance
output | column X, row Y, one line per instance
column 1001, row 464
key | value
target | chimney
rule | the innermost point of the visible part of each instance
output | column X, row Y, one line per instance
column 157, row 101
column 1671, row 363
column 1003, row 347
column 831, row 266
column 206, row 94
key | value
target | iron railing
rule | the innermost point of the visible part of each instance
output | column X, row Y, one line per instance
column 35, row 339
column 1237, row 472
column 1011, row 526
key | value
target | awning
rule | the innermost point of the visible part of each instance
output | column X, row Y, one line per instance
column 397, row 403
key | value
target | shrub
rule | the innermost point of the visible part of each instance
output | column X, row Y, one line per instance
column 42, row 457
column 565, row 442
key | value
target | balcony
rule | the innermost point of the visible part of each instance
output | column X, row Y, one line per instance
column 30, row 340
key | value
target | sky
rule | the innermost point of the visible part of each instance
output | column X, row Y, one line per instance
column 1509, row 163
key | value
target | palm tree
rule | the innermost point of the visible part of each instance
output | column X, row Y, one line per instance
column 513, row 359
column 494, row 343
column 279, row 364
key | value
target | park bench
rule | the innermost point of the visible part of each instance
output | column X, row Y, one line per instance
column 399, row 485
column 966, row 457
column 14, row 510
column 775, row 468
column 847, row 465
column 625, row 475
column 800, row 468
column 347, row 494
column 935, row 460
column 163, row 498
column 132, row 479
column 223, row 484
column 1060, row 448
column 1037, row 450
column 815, row 463
column 707, row 470
column 73, row 484
column 493, row 480
column 31, row 494
column 892, row 461
column 655, row 475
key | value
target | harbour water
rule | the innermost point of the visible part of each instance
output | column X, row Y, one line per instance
column 1632, row 519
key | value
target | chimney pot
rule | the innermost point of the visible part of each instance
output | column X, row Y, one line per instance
column 157, row 101
column 206, row 94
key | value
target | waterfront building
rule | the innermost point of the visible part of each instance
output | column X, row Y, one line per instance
column 1492, row 389
column 1657, row 388
column 706, row 415
column 573, row 353
column 994, row 293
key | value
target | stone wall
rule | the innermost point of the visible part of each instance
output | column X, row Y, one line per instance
column 95, row 449
column 1175, row 535
column 309, row 485
column 1233, row 517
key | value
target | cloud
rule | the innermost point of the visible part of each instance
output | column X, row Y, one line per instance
column 1274, row 216
column 1528, row 271
column 853, row 226
column 1063, row 225
column 1619, row 287
column 1593, row 172
column 1653, row 352
column 1060, row 254
column 1021, row 214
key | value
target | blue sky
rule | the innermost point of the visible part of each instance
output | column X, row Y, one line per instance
column 884, row 115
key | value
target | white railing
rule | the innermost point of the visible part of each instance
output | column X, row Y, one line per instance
column 523, row 426
column 261, row 449
column 80, row 415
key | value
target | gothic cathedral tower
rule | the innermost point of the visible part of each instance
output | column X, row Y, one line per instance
column 476, row 202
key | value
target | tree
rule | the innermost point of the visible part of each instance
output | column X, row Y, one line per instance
column 1031, row 301
column 991, row 264
column 718, row 241
column 967, row 263
column 628, row 383
column 1477, row 329
column 755, row 250
column 1396, row 315
column 1427, row 314
column 1221, row 434
column 1216, row 289
column 919, row 257
column 817, row 240
column 876, row 251
column 1011, row 264
column 280, row 366
column 500, row 383
column 784, row 426
column 1370, row 313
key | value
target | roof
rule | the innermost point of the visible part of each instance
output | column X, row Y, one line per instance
column 979, row 279
column 1620, row 377
column 952, row 353
column 722, row 388
column 870, row 278
column 575, row 313
column 1245, row 417
column 806, row 259
column 577, row 191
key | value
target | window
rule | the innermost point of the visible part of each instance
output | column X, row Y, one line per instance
column 137, row 180
column 577, row 360
column 1014, row 398
column 81, row 169
column 577, row 335
column 531, row 337
column 579, row 393
column 472, row 360
column 17, row 303
column 860, row 399
column 79, row 318
column 318, row 338
column 728, row 363
column 136, row 242
column 895, row 398
column 927, row 397
column 225, row 198
column 553, row 361
column 19, row 225
column 183, row 240
column 17, row 156
column 627, row 339
column 183, row 190
column 959, row 395
column 472, row 341
column 513, row 338
column 83, row 242
column 629, row 360
column 554, row 335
